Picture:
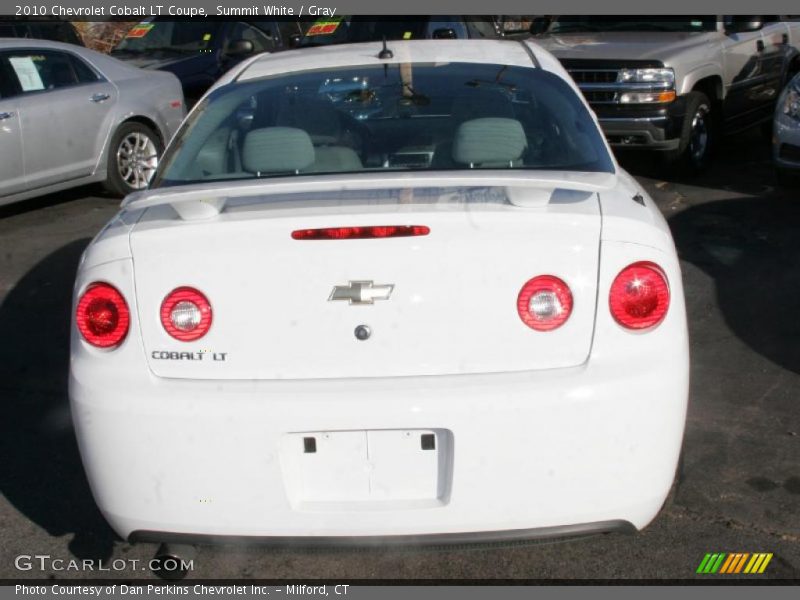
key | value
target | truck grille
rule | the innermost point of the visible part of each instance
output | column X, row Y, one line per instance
column 587, row 78
column 595, row 97
column 593, row 75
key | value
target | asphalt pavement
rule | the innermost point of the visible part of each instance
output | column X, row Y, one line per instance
column 738, row 237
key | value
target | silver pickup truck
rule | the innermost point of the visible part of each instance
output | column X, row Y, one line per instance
column 674, row 84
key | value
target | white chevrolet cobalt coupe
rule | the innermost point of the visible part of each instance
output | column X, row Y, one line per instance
column 375, row 294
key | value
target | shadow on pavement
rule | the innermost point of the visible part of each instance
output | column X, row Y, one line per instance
column 742, row 164
column 41, row 472
column 40, row 202
column 751, row 248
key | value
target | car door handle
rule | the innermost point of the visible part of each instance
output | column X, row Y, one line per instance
column 99, row 97
column 6, row 115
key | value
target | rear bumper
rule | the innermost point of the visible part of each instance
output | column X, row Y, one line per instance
column 530, row 451
column 483, row 537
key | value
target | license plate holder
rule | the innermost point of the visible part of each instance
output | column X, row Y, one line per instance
column 373, row 466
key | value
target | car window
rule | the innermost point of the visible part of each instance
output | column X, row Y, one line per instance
column 8, row 82
column 40, row 70
column 57, row 32
column 334, row 30
column 338, row 30
column 287, row 29
column 274, row 30
column 168, row 38
column 45, row 30
column 7, row 30
column 393, row 117
column 446, row 27
column 83, row 72
column 676, row 23
column 262, row 39
column 482, row 28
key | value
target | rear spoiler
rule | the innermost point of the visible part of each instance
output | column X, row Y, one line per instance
column 526, row 189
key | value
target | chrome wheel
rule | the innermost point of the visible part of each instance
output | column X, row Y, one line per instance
column 698, row 140
column 137, row 159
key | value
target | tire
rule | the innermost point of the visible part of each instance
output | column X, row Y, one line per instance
column 698, row 137
column 126, row 173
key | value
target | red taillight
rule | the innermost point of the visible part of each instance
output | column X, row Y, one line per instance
column 186, row 314
column 102, row 316
column 360, row 233
column 639, row 296
column 544, row 303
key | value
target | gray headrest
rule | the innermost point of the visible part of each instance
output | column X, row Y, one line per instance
column 277, row 150
column 489, row 140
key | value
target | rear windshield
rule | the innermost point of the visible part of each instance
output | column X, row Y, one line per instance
column 392, row 117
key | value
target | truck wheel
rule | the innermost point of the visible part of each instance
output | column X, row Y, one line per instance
column 697, row 136
column 133, row 156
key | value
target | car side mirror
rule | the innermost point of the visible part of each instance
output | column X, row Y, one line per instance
column 444, row 33
column 539, row 25
column 239, row 48
column 743, row 24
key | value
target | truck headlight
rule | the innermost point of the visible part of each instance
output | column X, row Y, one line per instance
column 664, row 75
column 791, row 103
column 646, row 86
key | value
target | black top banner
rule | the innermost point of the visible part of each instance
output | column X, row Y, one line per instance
column 133, row 9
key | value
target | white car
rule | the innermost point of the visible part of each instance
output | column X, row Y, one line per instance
column 71, row 116
column 786, row 138
column 402, row 294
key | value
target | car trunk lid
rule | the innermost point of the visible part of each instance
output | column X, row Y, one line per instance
column 442, row 303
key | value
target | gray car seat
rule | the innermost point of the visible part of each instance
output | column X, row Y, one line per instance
column 277, row 150
column 489, row 142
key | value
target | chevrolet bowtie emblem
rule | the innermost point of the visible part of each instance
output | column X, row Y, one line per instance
column 361, row 292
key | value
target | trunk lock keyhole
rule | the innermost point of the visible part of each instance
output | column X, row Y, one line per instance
column 363, row 332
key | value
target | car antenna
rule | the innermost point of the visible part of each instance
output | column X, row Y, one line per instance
column 385, row 53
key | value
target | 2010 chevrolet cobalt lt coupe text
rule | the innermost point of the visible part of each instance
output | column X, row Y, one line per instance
column 401, row 293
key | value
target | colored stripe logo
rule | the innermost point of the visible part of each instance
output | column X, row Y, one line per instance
column 734, row 563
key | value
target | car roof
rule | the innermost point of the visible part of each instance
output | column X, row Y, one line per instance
column 503, row 52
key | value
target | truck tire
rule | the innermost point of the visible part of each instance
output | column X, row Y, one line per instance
column 698, row 136
column 133, row 155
